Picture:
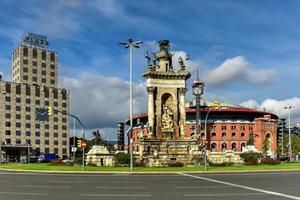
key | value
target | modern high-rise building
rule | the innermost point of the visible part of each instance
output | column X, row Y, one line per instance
column 25, row 125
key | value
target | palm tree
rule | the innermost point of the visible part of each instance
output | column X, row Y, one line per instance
column 97, row 137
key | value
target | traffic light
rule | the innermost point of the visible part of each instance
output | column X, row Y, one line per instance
column 79, row 143
column 216, row 105
column 50, row 110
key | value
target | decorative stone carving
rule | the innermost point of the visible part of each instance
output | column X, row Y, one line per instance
column 167, row 123
column 182, row 66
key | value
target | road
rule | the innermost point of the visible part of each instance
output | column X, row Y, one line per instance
column 39, row 186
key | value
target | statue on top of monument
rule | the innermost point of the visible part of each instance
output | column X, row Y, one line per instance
column 180, row 61
column 167, row 119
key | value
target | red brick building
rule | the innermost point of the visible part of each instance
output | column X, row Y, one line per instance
column 228, row 127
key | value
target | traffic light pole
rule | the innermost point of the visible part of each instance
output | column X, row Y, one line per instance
column 50, row 112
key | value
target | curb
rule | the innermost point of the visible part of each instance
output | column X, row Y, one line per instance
column 150, row 172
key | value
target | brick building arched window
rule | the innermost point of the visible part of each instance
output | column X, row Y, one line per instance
column 233, row 146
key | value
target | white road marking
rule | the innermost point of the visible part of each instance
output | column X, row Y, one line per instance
column 244, row 187
column 116, row 195
column 226, row 194
column 66, row 182
column 25, row 193
column 45, row 186
column 203, row 187
column 123, row 188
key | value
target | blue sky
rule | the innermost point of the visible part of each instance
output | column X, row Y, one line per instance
column 246, row 51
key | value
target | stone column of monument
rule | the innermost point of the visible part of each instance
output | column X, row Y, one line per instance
column 151, row 111
column 182, row 92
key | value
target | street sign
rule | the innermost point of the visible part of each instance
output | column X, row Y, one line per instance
column 74, row 149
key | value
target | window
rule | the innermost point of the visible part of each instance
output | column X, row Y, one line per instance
column 37, row 142
column 18, row 89
column 18, row 141
column 7, row 124
column 43, row 65
column 37, row 134
column 28, row 90
column 223, row 134
column 64, row 135
column 52, row 66
column 64, row 127
column 223, row 127
column 7, row 107
column 64, row 142
column 43, row 55
column 28, row 133
column 55, row 119
column 34, row 63
column 64, row 120
column 233, row 127
column 27, row 125
column 7, row 87
column 46, row 142
column 18, row 124
column 243, row 134
column 55, row 127
column 46, row 134
column 43, row 72
column 18, row 100
column 47, row 150
column 55, row 142
column 7, row 99
column 242, row 128
column 56, row 150
column 250, row 128
column 25, row 51
column 46, row 103
column 55, row 93
column 64, row 94
column 55, row 134
column 64, row 105
column 34, row 53
column 27, row 101
column 25, row 77
column 27, row 109
column 43, row 80
column 37, row 126
column 7, row 132
column 28, row 117
column 34, row 79
column 46, row 126
column 233, row 134
column 37, row 91
column 18, row 108
column 34, row 71
column 7, row 115
column 52, row 57
column 55, row 104
column 64, row 151
column 18, row 116
column 37, row 102
column 213, row 134
column 46, row 91
column 18, row 133
column 233, row 146
column 25, row 62
column 52, row 81
column 52, row 74
column 8, row 141
column 25, row 69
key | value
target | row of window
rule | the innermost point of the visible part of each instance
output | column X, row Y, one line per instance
column 233, row 147
column 37, row 134
column 34, row 64
column 37, row 102
column 35, row 54
column 37, row 91
column 233, row 134
column 37, row 142
column 37, row 126
column 34, row 79
column 233, row 127
column 28, row 117
column 34, row 71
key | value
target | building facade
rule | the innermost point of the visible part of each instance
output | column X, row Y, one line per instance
column 33, row 89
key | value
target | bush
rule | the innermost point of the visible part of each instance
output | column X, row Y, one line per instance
column 175, row 164
column 91, row 164
column 270, row 162
column 139, row 164
column 251, row 156
column 122, row 158
column 57, row 162
column 77, row 161
column 221, row 164
column 254, row 161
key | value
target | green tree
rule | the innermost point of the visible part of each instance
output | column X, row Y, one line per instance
column 295, row 144
column 266, row 146
column 97, row 137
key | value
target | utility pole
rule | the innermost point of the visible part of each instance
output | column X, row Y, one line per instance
column 290, row 142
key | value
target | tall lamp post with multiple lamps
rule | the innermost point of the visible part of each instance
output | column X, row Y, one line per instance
column 198, row 87
column 131, row 44
column 290, row 142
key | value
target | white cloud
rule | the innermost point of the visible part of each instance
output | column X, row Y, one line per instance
column 277, row 107
column 102, row 101
column 237, row 69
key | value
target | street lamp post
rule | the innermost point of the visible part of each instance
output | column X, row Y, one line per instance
column 205, row 138
column 290, row 142
column 130, row 44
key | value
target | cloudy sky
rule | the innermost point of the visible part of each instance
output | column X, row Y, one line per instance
column 248, row 52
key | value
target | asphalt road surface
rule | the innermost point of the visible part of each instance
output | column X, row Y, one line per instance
column 38, row 186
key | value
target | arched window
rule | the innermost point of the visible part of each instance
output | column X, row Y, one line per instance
column 243, row 146
column 148, row 150
column 224, row 146
column 233, row 146
column 213, row 147
column 233, row 134
column 213, row 134
column 223, row 134
column 202, row 135
column 242, row 134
